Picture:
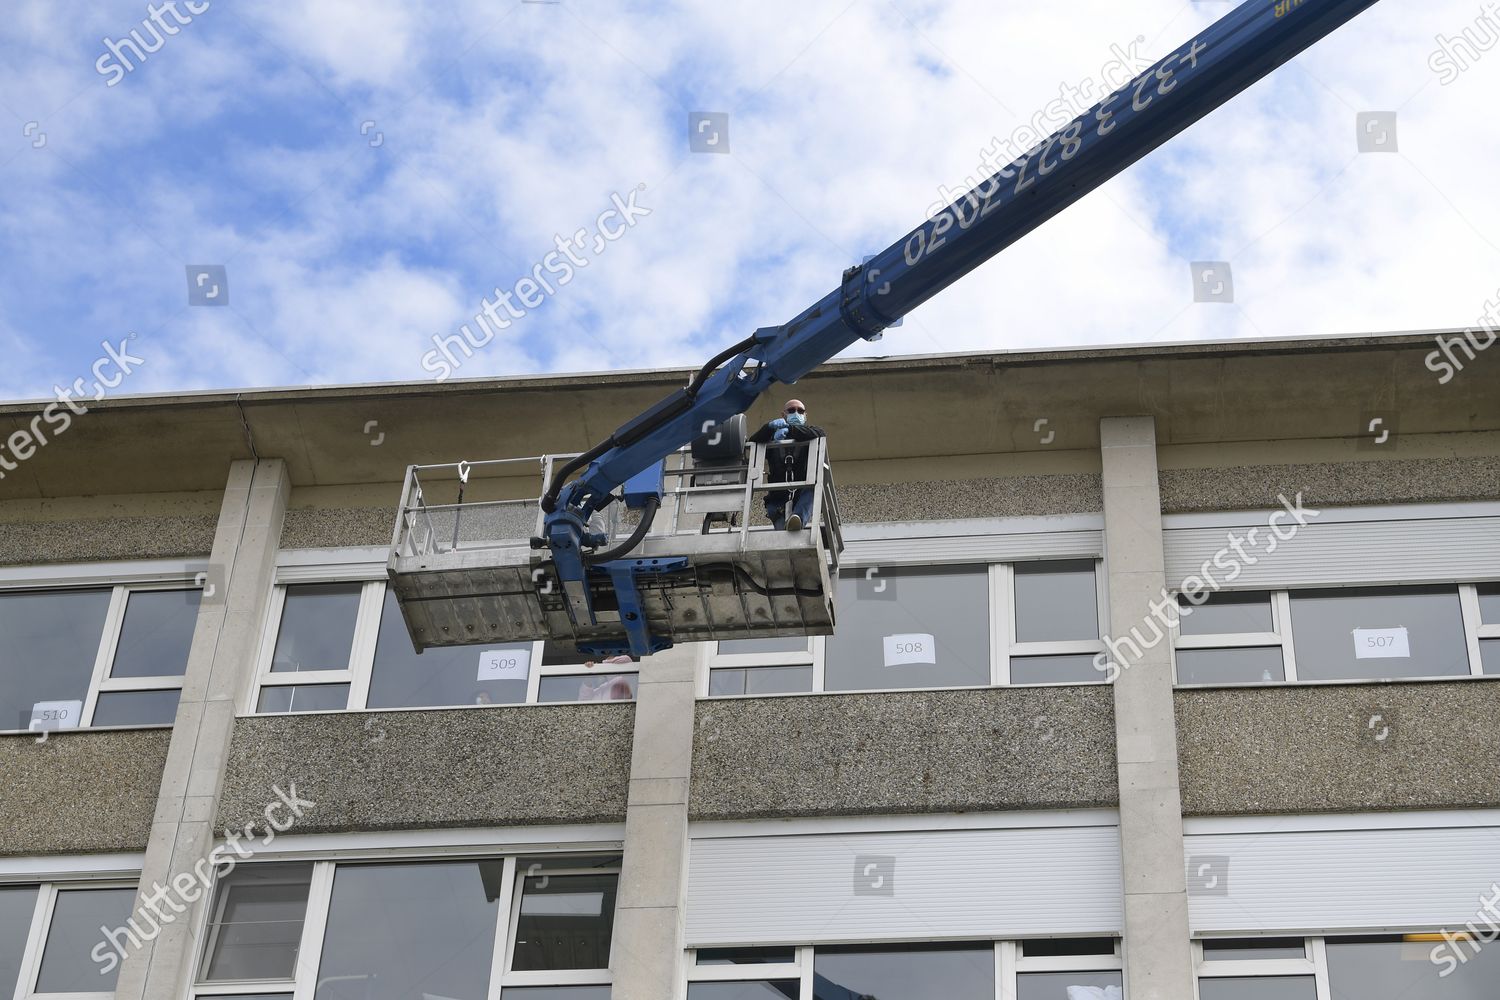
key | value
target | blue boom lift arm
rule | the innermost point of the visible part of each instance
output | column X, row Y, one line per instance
column 1234, row 53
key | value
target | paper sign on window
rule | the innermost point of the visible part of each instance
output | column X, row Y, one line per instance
column 504, row 664
column 1378, row 643
column 913, row 647
column 50, row 716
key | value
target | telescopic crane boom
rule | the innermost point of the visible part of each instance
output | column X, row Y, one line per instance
column 1195, row 79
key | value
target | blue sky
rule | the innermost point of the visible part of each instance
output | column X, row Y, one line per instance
column 496, row 127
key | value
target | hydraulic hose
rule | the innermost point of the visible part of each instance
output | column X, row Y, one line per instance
column 648, row 514
column 549, row 499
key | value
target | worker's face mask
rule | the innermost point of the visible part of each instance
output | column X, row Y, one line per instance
column 796, row 419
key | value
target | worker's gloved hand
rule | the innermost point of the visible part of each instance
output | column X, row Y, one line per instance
column 779, row 423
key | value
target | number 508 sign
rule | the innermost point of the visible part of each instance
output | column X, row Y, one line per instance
column 911, row 647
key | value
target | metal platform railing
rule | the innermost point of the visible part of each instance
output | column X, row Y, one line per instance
column 463, row 569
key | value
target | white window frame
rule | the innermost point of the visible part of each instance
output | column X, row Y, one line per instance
column 1315, row 965
column 361, row 665
column 1281, row 636
column 1003, row 644
column 1009, row 963
column 315, row 924
column 109, row 641
column 41, row 925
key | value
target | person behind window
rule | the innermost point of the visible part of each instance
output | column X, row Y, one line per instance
column 788, row 464
column 611, row 688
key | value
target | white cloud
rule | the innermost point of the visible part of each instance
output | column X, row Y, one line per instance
column 504, row 126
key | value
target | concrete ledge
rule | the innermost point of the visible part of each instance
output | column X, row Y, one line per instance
column 904, row 752
column 1331, row 483
column 1320, row 749
column 506, row 766
column 24, row 543
column 80, row 793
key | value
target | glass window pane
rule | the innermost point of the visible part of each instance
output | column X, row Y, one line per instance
column 317, row 627
column 1262, row 949
column 1227, row 613
column 452, row 675
column 256, row 926
column 1053, row 947
column 1073, row 668
column 759, row 680
column 49, row 641
column 304, row 698
column 1070, row 986
column 1489, row 655
column 404, row 931
column 951, row 604
column 245, row 996
column 1329, row 626
column 566, row 922
column 157, row 633
column 1056, row 601
column 587, row 687
column 959, row 973
column 762, row 989
column 1489, row 603
column 1259, row 988
column 136, row 708
column 746, row 956
column 557, row 993
column 16, row 908
column 1242, row 665
column 760, row 647
column 68, row 965
column 1387, row 970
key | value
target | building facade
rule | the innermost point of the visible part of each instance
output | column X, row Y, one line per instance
column 1205, row 704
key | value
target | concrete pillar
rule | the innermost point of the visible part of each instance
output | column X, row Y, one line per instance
column 648, row 950
column 1158, row 953
column 225, row 644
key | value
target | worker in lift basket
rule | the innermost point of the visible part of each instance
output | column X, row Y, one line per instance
column 788, row 465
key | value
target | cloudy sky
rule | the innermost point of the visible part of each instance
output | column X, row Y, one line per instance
column 367, row 171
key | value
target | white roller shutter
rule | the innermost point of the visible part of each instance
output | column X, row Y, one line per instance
column 1015, row 539
column 1343, row 552
column 1340, row 880
column 914, row 884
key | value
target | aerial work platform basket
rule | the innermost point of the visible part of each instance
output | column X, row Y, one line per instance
column 464, row 569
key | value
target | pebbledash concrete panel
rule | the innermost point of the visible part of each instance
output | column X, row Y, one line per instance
column 337, row 527
column 80, row 792
column 989, row 497
column 904, row 752
column 24, row 543
column 479, row 767
column 1339, row 748
column 1251, row 487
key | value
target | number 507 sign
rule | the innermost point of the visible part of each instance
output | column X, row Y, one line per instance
column 1381, row 643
